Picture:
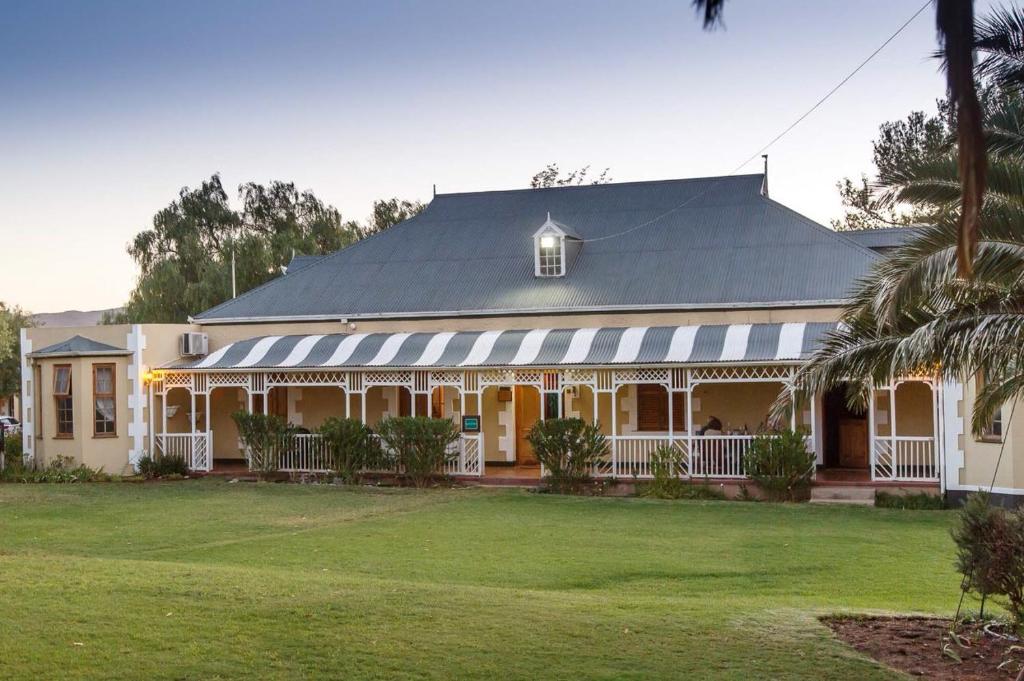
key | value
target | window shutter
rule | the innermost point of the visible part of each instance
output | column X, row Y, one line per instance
column 652, row 408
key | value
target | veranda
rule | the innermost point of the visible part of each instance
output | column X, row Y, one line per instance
column 639, row 409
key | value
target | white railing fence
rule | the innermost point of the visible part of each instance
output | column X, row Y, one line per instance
column 632, row 455
column 309, row 454
column 719, row 456
column 195, row 448
column 905, row 458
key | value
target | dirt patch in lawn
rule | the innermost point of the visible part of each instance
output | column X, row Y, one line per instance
column 914, row 645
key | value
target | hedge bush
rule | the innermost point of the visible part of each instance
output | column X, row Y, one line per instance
column 990, row 553
column 353, row 448
column 162, row 467
column 420, row 445
column 568, row 450
column 265, row 438
column 781, row 465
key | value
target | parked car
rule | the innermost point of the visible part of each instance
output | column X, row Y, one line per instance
column 9, row 424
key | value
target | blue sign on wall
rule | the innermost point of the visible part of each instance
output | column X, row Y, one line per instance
column 470, row 424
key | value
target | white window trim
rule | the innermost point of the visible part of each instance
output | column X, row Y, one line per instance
column 549, row 228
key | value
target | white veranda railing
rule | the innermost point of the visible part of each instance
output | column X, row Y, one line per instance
column 309, row 454
column 711, row 456
column 195, row 448
column 905, row 458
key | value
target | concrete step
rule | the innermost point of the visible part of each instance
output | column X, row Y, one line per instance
column 845, row 502
column 828, row 494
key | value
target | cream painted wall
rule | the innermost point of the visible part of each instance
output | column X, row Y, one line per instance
column 980, row 457
column 737, row 405
column 318, row 403
column 107, row 453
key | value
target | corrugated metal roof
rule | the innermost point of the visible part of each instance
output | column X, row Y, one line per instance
column 79, row 346
column 536, row 347
column 300, row 261
column 709, row 242
column 881, row 239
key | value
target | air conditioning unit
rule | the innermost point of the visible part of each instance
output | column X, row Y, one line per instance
column 193, row 344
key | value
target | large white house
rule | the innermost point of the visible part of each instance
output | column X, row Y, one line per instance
column 648, row 307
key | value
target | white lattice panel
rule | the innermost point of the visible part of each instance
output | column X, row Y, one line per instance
column 228, row 380
column 452, row 378
column 299, row 378
column 579, row 377
column 372, row 378
column 177, row 380
column 632, row 376
column 730, row 373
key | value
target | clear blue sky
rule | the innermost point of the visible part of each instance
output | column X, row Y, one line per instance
column 108, row 108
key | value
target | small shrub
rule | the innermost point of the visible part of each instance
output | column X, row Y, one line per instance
column 990, row 552
column 13, row 446
column 420, row 446
column 568, row 450
column 921, row 501
column 667, row 469
column 265, row 437
column 352, row 446
column 781, row 465
column 61, row 469
column 163, row 467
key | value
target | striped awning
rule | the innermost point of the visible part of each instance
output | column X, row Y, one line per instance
column 537, row 347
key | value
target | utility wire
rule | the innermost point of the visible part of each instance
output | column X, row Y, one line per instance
column 775, row 139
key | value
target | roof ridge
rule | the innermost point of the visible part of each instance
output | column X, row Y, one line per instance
column 822, row 228
column 604, row 184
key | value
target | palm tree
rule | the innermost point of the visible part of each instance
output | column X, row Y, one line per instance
column 913, row 314
column 956, row 35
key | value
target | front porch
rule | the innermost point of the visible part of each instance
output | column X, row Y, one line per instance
column 640, row 409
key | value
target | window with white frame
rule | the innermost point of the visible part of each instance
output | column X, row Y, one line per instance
column 550, row 252
column 993, row 430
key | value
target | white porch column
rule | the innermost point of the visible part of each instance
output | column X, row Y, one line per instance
column 671, row 415
column 192, row 415
column 892, row 427
column 871, row 430
column 362, row 405
column 348, row 404
column 151, row 441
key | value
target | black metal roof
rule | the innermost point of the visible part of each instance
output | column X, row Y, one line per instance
column 881, row 240
column 671, row 244
column 79, row 346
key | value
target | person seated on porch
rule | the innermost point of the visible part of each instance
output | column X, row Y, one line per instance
column 712, row 427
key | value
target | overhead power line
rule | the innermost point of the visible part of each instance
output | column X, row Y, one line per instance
column 778, row 137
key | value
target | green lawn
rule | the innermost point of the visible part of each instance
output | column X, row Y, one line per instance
column 211, row 580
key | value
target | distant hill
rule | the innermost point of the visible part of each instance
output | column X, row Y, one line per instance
column 70, row 317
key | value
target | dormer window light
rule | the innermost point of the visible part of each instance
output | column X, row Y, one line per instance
column 551, row 251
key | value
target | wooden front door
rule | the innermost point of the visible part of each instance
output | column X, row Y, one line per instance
column 527, row 413
column 853, row 443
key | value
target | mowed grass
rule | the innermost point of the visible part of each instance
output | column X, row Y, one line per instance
column 211, row 580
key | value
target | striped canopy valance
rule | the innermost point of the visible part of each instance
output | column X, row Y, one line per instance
column 536, row 347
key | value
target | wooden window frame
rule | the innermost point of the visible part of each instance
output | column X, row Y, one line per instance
column 678, row 415
column 986, row 433
column 58, row 397
column 112, row 395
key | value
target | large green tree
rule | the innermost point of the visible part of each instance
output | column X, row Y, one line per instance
column 959, row 39
column 916, row 138
column 185, row 259
column 12, row 320
column 552, row 176
column 913, row 314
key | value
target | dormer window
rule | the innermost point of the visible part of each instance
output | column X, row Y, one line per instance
column 553, row 248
